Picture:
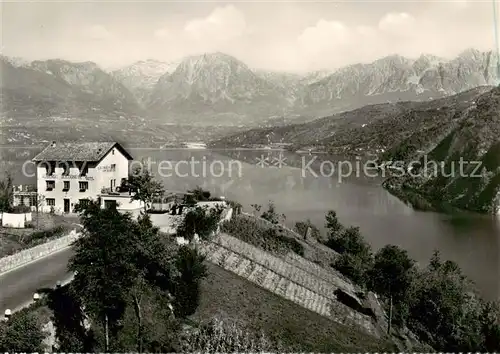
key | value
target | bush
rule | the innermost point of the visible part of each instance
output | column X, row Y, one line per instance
column 22, row 333
column 219, row 337
column 349, row 241
column 446, row 313
column 271, row 215
column 200, row 221
column 352, row 267
column 45, row 235
column 20, row 209
column 392, row 273
column 332, row 224
column 261, row 234
column 302, row 226
column 198, row 195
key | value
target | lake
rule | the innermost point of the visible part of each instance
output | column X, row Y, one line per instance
column 473, row 241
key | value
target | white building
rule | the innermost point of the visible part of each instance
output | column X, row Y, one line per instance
column 70, row 173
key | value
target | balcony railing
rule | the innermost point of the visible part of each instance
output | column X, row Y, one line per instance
column 66, row 177
column 119, row 190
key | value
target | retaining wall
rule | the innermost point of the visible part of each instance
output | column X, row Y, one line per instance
column 28, row 255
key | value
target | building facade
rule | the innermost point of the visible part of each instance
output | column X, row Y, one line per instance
column 73, row 173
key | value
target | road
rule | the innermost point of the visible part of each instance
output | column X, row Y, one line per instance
column 18, row 286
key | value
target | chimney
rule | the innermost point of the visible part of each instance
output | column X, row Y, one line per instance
column 53, row 144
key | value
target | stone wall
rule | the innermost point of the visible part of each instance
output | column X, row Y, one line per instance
column 31, row 254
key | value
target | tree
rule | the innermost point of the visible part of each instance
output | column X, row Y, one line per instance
column 145, row 187
column 332, row 224
column 352, row 267
column 490, row 326
column 443, row 308
column 392, row 272
column 154, row 268
column 191, row 268
column 69, row 320
column 391, row 275
column 117, row 261
column 22, row 334
column 6, row 193
column 201, row 221
column 103, row 267
column 349, row 241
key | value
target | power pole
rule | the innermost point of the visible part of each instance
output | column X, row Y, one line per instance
column 497, row 45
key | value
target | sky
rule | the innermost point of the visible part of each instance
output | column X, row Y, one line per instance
column 292, row 36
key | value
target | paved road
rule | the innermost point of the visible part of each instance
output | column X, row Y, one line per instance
column 18, row 286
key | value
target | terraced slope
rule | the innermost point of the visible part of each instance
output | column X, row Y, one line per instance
column 311, row 289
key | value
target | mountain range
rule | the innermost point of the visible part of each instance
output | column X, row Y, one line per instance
column 218, row 89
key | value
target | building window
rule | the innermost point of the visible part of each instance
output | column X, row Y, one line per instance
column 50, row 168
column 113, row 152
column 51, row 202
column 51, row 185
column 113, row 167
column 83, row 203
column 65, row 167
column 112, row 185
column 66, row 186
column 84, row 170
column 83, row 186
column 33, row 200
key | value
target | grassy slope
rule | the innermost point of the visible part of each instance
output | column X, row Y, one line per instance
column 228, row 295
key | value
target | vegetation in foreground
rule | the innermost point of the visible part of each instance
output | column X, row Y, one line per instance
column 137, row 290
column 438, row 303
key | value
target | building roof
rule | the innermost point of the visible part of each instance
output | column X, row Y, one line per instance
column 78, row 151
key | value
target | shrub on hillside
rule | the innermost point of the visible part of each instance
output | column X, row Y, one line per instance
column 22, row 333
column 445, row 311
column 392, row 273
column 352, row 267
column 45, row 235
column 332, row 224
column 217, row 336
column 199, row 221
column 261, row 235
column 302, row 226
column 349, row 241
column 189, row 264
column 272, row 216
